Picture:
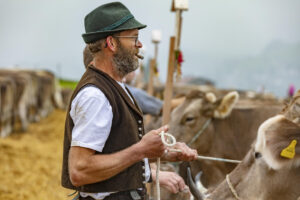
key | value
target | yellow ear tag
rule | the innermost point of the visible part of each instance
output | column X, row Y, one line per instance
column 289, row 152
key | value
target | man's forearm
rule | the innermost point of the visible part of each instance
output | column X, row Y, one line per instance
column 86, row 167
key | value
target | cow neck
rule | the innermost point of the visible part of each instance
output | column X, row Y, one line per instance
column 128, row 101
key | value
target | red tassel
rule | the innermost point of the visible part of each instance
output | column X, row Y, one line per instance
column 180, row 57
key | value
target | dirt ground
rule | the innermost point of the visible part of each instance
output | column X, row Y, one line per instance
column 30, row 162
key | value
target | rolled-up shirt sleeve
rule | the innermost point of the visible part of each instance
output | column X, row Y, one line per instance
column 92, row 115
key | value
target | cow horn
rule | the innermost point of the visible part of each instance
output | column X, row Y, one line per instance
column 199, row 185
column 193, row 188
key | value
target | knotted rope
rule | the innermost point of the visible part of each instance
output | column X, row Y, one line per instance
column 171, row 141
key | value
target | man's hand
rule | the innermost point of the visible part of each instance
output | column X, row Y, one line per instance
column 172, row 182
column 151, row 144
column 185, row 154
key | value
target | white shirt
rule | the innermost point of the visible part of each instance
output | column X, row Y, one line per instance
column 91, row 113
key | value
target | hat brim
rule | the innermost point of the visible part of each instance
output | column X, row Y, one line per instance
column 94, row 36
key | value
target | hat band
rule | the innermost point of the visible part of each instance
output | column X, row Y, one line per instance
column 118, row 23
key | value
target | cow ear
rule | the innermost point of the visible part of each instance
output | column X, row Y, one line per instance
column 288, row 155
column 210, row 97
column 225, row 107
column 283, row 147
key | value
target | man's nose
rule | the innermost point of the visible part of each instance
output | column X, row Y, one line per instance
column 139, row 44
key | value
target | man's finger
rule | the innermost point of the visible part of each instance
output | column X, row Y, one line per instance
column 181, row 185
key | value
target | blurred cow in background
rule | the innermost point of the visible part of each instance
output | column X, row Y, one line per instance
column 28, row 96
column 22, row 97
column 7, row 90
column 66, row 94
column 49, row 95
column 230, row 129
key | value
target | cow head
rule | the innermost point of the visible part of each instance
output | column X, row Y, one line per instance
column 271, row 169
column 188, row 118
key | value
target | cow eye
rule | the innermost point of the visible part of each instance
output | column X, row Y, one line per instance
column 257, row 155
column 189, row 119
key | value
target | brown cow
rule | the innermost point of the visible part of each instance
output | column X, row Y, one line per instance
column 7, row 93
column 34, row 84
column 35, row 94
column 22, row 97
column 66, row 94
column 271, row 169
column 49, row 95
column 229, row 134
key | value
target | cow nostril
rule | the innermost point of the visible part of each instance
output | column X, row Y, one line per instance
column 257, row 155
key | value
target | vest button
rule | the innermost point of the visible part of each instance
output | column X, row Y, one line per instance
column 144, row 175
column 144, row 182
column 139, row 121
column 140, row 135
column 143, row 167
column 140, row 129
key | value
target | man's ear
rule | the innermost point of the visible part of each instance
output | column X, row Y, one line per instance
column 225, row 107
column 111, row 43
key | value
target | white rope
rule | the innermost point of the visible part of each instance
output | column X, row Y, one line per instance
column 217, row 159
column 210, row 158
column 170, row 141
column 232, row 188
column 157, row 179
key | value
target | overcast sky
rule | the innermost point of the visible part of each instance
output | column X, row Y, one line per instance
column 221, row 40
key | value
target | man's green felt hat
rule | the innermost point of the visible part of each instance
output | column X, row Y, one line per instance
column 108, row 19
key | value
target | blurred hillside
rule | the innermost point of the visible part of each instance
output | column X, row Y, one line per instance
column 274, row 69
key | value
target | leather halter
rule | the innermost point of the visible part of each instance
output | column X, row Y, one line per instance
column 207, row 122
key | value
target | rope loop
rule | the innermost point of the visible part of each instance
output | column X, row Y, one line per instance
column 170, row 141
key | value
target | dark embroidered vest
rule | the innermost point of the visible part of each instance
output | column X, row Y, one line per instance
column 127, row 129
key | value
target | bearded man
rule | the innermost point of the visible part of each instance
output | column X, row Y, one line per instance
column 106, row 151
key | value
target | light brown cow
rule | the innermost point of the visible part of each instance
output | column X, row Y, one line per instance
column 229, row 134
column 21, row 98
column 35, row 94
column 49, row 95
column 66, row 94
column 34, row 84
column 271, row 169
column 7, row 94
